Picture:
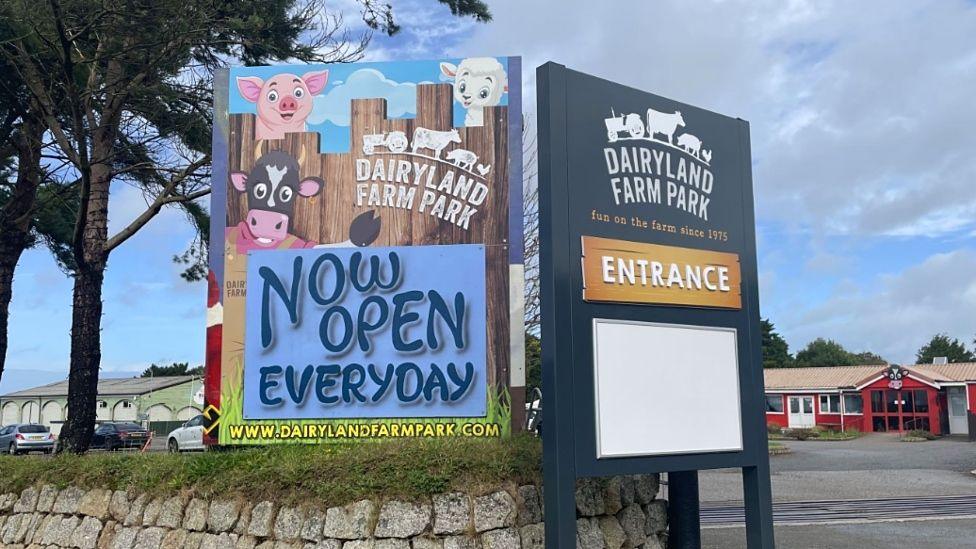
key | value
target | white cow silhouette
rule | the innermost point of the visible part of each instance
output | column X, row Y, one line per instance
column 663, row 123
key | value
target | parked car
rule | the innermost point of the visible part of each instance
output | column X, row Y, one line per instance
column 115, row 435
column 187, row 437
column 22, row 438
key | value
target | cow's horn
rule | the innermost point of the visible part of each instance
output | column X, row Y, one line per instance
column 301, row 157
column 257, row 149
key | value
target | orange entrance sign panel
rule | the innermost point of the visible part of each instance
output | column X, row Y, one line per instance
column 620, row 271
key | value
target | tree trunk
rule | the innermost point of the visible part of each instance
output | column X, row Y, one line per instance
column 16, row 219
column 86, row 317
column 86, row 355
column 10, row 249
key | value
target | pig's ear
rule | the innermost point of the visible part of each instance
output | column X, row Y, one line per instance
column 250, row 87
column 449, row 69
column 239, row 180
column 310, row 186
column 315, row 81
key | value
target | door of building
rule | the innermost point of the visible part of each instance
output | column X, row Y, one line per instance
column 801, row 412
column 958, row 424
column 900, row 410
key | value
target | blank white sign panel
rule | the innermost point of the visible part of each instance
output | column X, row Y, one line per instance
column 665, row 389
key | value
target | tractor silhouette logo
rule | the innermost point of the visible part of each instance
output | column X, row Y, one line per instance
column 663, row 128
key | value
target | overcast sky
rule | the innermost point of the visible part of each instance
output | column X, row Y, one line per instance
column 864, row 149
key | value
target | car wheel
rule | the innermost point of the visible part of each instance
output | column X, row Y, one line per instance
column 173, row 446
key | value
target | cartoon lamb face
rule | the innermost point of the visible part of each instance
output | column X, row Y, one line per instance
column 479, row 82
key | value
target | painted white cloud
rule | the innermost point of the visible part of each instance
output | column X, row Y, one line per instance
column 334, row 106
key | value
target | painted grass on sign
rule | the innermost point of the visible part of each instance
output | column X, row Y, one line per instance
column 499, row 412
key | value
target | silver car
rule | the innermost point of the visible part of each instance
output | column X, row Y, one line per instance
column 21, row 438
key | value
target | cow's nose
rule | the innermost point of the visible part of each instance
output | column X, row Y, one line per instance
column 289, row 103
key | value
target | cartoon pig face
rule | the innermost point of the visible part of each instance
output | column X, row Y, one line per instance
column 284, row 101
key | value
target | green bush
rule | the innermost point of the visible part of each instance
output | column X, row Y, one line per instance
column 774, row 429
column 920, row 433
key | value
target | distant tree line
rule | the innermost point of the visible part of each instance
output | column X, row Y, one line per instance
column 827, row 352
column 174, row 369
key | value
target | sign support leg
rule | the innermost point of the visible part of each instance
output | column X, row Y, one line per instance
column 560, row 500
column 758, row 505
column 684, row 521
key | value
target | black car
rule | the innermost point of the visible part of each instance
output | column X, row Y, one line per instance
column 112, row 436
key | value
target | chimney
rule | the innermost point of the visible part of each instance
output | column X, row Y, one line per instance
column 940, row 360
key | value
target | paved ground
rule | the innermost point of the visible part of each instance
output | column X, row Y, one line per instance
column 932, row 534
column 877, row 451
column 872, row 466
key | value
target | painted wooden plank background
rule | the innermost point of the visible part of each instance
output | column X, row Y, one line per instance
column 325, row 218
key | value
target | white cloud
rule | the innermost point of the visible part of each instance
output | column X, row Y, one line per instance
column 861, row 112
column 401, row 97
column 898, row 313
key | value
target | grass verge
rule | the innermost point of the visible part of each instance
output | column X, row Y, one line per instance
column 778, row 448
column 326, row 475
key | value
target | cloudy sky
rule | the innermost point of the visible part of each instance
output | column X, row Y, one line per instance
column 864, row 150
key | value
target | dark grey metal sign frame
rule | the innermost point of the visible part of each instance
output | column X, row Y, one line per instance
column 566, row 100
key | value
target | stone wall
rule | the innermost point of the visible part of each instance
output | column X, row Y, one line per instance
column 622, row 512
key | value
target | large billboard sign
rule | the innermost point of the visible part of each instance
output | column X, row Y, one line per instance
column 366, row 262
column 650, row 315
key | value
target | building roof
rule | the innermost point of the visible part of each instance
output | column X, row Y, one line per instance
column 942, row 373
column 827, row 377
column 127, row 386
column 849, row 377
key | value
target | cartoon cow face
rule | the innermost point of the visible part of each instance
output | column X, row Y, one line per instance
column 284, row 101
column 895, row 375
column 271, row 190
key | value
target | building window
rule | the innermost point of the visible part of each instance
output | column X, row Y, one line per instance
column 774, row 404
column 102, row 404
column 853, row 404
column 829, row 404
column 126, row 404
column 921, row 401
column 877, row 402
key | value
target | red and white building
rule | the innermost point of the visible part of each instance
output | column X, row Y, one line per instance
column 932, row 397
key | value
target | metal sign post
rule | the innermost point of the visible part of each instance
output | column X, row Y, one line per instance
column 650, row 315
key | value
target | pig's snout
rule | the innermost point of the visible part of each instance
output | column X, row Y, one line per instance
column 288, row 103
column 267, row 226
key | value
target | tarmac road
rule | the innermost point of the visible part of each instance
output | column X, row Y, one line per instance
column 869, row 468
column 930, row 534
column 873, row 466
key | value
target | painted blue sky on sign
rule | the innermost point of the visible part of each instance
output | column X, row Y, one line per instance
column 395, row 82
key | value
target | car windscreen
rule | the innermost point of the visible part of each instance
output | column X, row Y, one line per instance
column 128, row 427
column 32, row 429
